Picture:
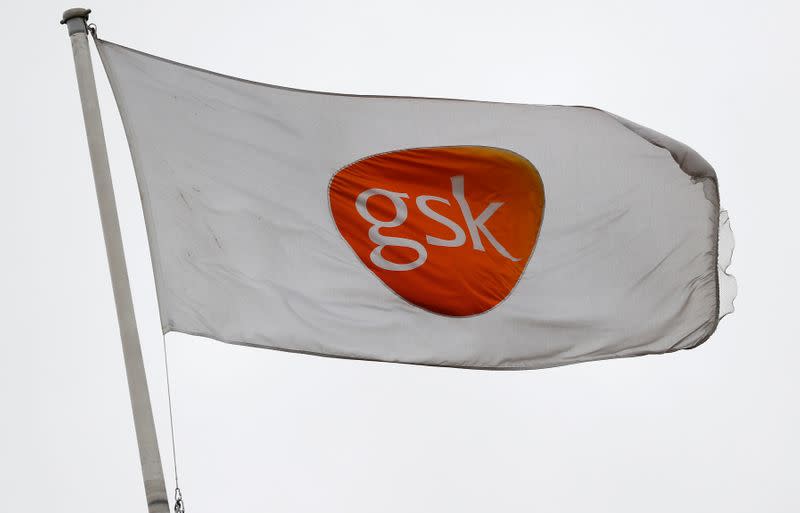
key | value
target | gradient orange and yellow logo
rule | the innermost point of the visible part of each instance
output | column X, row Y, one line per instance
column 449, row 229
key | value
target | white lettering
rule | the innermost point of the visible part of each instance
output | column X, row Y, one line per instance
column 475, row 225
column 459, row 237
column 383, row 241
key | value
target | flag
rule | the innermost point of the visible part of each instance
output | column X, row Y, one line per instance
column 425, row 231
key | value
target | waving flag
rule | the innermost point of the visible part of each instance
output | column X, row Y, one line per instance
column 426, row 231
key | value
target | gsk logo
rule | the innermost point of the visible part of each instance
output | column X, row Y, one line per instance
column 449, row 229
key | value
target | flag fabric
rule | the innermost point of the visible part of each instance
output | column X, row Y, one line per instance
column 425, row 231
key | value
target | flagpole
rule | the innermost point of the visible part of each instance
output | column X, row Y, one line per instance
column 149, row 456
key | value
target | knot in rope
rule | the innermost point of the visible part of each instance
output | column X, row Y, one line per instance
column 179, row 508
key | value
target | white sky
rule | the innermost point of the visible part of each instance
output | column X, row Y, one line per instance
column 714, row 429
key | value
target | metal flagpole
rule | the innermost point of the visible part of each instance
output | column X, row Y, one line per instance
column 149, row 456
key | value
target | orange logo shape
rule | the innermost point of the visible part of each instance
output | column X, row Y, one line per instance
column 450, row 229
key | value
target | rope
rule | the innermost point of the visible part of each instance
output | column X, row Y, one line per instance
column 179, row 507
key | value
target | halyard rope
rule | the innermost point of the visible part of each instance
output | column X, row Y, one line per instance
column 179, row 507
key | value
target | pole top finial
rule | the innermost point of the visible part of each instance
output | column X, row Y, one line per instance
column 75, row 19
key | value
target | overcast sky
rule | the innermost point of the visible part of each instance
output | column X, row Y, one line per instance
column 713, row 429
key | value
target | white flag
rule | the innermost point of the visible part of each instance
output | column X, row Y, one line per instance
column 427, row 231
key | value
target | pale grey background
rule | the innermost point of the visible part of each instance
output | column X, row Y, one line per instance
column 712, row 429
